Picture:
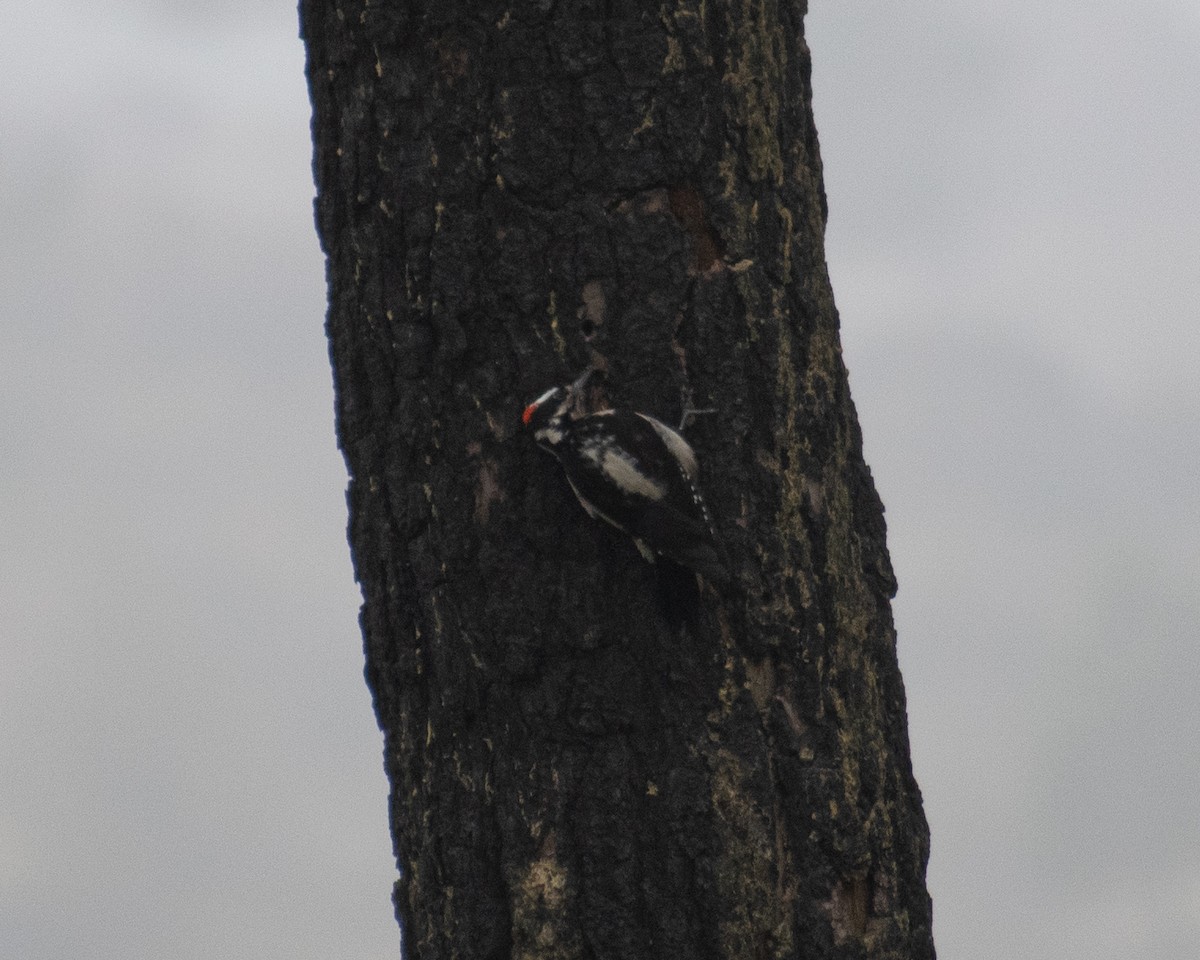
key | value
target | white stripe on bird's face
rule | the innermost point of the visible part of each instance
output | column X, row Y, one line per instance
column 549, row 436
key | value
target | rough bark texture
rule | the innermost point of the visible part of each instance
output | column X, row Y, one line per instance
column 588, row 758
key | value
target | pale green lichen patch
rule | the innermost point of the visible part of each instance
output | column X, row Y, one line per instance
column 686, row 20
column 757, row 923
column 673, row 62
column 760, row 681
column 560, row 343
column 757, row 62
column 540, row 925
column 793, row 445
column 788, row 227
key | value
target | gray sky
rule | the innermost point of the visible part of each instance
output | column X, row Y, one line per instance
column 189, row 765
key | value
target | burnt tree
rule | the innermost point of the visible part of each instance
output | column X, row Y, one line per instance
column 590, row 757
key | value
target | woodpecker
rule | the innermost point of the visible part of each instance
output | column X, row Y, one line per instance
column 632, row 471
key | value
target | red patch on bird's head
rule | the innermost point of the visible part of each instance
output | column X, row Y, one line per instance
column 528, row 414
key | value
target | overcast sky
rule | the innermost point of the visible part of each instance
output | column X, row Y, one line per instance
column 189, row 764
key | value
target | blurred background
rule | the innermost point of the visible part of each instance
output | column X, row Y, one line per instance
column 189, row 763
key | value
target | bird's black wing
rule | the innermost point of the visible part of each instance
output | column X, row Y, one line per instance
column 646, row 493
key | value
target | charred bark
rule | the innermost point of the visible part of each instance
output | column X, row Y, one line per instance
column 508, row 193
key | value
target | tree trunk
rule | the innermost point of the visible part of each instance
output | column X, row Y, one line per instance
column 589, row 756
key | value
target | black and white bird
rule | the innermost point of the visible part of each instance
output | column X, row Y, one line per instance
column 632, row 471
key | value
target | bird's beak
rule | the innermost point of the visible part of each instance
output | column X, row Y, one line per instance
column 579, row 384
column 528, row 414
